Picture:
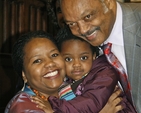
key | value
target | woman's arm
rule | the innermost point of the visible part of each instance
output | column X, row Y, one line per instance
column 113, row 106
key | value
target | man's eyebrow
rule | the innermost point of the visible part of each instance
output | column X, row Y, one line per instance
column 88, row 12
column 84, row 14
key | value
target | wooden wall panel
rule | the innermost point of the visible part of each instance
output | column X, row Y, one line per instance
column 14, row 22
column 13, row 18
column 20, row 19
column 16, row 18
column 1, row 21
column 32, row 18
column 6, row 25
column 44, row 22
column 20, row 16
column 38, row 19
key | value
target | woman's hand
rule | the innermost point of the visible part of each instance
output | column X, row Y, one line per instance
column 44, row 105
column 113, row 106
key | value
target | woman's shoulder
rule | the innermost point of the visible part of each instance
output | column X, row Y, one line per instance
column 21, row 102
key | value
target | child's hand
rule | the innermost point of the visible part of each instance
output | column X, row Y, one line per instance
column 44, row 105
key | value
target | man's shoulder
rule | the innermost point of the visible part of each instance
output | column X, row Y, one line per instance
column 135, row 7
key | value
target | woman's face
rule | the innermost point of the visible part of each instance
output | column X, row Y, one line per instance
column 44, row 68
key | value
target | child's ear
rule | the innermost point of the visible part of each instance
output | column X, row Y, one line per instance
column 94, row 56
column 24, row 77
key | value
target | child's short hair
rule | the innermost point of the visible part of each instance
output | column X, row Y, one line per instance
column 65, row 34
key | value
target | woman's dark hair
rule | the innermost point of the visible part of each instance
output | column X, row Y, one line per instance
column 65, row 34
column 18, row 48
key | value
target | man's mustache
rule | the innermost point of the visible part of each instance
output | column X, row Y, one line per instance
column 90, row 32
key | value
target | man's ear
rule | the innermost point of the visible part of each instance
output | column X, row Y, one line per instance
column 24, row 77
column 94, row 56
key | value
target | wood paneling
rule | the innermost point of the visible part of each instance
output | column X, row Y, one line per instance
column 20, row 16
column 16, row 18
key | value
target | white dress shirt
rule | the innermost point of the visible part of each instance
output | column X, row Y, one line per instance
column 116, row 38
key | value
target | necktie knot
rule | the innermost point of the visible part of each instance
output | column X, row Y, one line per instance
column 107, row 48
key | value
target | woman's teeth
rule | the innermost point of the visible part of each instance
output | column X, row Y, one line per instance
column 51, row 74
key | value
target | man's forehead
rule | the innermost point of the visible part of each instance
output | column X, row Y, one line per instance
column 77, row 11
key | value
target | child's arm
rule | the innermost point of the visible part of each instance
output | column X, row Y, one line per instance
column 112, row 106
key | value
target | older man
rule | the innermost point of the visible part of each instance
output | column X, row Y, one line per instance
column 107, row 21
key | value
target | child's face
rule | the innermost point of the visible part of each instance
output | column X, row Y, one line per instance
column 44, row 68
column 78, row 58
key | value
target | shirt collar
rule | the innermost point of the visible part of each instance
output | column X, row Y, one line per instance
column 27, row 90
column 116, row 36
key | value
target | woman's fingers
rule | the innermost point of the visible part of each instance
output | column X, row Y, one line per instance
column 117, row 101
column 115, row 94
column 44, row 105
column 118, row 108
column 36, row 98
column 113, row 105
column 38, row 101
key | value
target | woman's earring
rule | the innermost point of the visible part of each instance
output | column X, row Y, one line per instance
column 23, row 86
column 24, row 79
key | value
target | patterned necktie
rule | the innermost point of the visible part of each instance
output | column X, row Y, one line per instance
column 113, row 60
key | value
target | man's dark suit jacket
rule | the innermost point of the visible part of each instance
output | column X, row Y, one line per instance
column 132, row 46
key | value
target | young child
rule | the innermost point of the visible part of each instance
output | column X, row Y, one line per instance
column 92, row 81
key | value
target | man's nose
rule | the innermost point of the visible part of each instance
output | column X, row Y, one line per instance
column 83, row 27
